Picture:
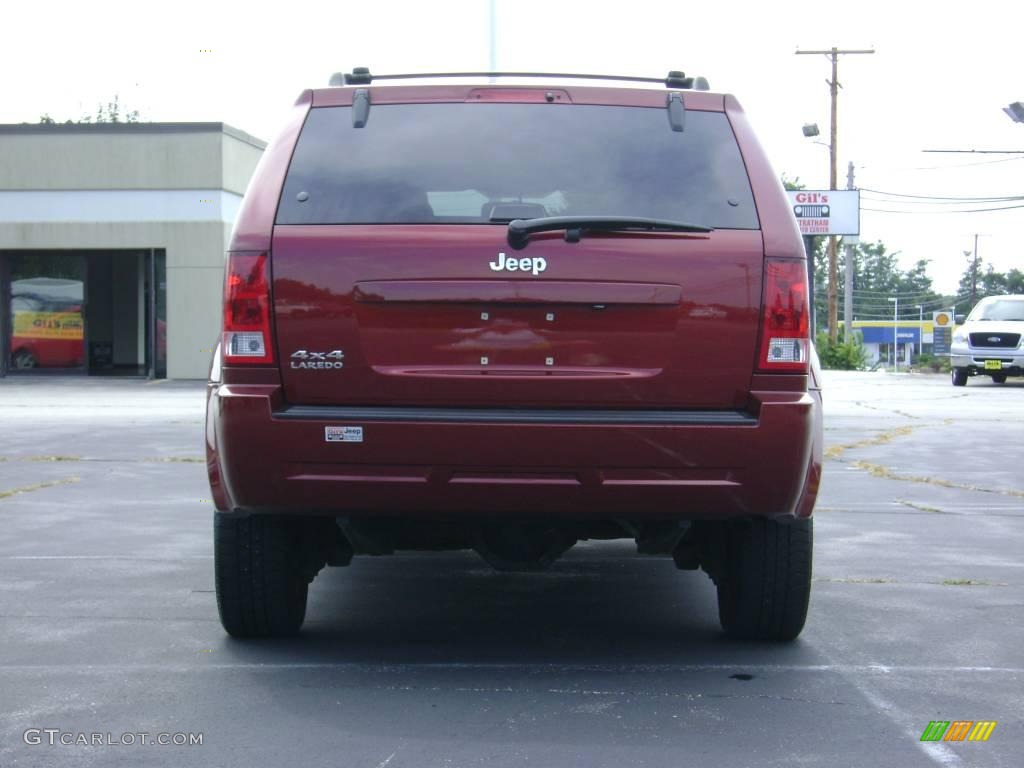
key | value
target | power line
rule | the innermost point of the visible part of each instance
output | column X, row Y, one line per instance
column 941, row 212
column 879, row 307
column 925, row 306
column 992, row 199
column 940, row 202
column 901, row 294
column 950, row 165
column 976, row 151
column 882, row 295
column 928, row 306
column 946, row 167
column 937, row 300
column 937, row 205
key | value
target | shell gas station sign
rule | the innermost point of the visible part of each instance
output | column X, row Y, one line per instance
column 942, row 331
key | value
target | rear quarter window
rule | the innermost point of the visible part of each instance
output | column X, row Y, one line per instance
column 452, row 163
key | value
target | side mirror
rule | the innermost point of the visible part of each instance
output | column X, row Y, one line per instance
column 959, row 319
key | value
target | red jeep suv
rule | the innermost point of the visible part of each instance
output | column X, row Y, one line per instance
column 510, row 312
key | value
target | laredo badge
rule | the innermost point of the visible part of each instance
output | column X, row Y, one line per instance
column 302, row 358
column 343, row 434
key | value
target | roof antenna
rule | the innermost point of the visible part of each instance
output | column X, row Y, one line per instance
column 677, row 79
column 359, row 76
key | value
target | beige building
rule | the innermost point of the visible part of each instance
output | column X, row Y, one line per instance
column 112, row 240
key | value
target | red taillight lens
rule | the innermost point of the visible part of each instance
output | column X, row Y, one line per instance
column 246, row 336
column 785, row 325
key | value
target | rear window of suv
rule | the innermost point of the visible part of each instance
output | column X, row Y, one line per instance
column 452, row 163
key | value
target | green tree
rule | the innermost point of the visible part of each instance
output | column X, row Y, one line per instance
column 969, row 282
column 980, row 280
column 1015, row 281
column 111, row 112
column 916, row 281
column 878, row 278
column 843, row 355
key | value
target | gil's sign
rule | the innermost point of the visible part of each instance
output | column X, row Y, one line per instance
column 826, row 212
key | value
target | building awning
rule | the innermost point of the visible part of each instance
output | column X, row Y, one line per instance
column 876, row 335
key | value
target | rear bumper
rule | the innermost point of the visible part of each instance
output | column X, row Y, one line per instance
column 452, row 463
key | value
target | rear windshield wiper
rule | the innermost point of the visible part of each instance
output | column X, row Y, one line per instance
column 519, row 230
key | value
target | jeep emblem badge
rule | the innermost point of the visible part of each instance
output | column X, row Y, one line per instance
column 534, row 266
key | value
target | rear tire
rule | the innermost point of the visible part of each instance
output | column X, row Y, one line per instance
column 260, row 582
column 764, row 582
column 23, row 360
column 999, row 378
column 959, row 377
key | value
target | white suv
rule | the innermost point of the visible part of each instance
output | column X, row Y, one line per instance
column 989, row 343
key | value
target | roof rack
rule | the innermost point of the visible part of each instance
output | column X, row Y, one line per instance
column 675, row 79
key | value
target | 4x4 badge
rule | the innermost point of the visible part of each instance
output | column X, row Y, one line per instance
column 534, row 266
column 302, row 358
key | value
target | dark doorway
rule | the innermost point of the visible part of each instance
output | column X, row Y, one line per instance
column 101, row 312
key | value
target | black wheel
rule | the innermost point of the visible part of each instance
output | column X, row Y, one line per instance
column 764, row 580
column 23, row 359
column 959, row 377
column 259, row 576
column 999, row 378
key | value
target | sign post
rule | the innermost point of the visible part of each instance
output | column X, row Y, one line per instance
column 809, row 252
column 824, row 212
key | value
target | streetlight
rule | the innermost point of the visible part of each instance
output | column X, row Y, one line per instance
column 895, row 336
column 493, row 28
column 1015, row 111
column 920, row 329
column 810, row 131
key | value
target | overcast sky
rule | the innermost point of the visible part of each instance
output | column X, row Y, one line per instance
column 939, row 79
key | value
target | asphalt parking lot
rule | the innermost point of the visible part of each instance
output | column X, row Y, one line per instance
column 108, row 622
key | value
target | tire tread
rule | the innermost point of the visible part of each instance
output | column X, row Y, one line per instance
column 259, row 585
column 765, row 586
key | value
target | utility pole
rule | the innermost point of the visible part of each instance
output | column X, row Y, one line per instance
column 493, row 47
column 920, row 329
column 833, row 261
column 848, row 286
column 895, row 331
column 974, row 274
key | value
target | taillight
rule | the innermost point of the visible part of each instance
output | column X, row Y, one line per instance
column 784, row 326
column 246, row 336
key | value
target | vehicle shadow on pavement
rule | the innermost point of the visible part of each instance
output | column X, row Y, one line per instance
column 600, row 605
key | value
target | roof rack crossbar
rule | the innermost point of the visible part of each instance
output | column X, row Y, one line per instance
column 362, row 76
